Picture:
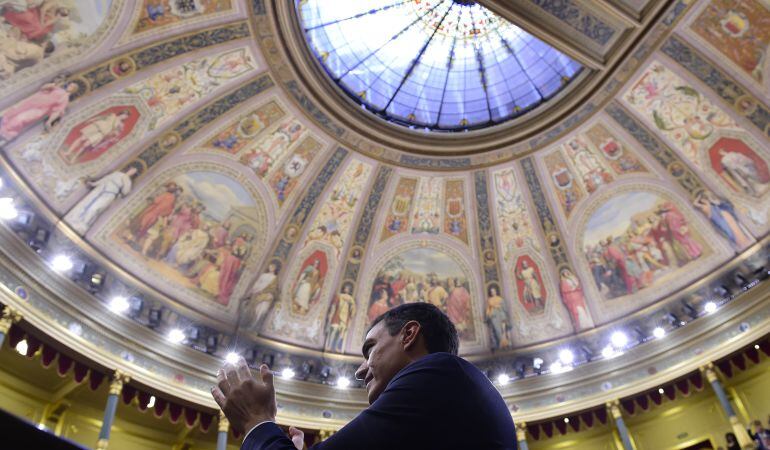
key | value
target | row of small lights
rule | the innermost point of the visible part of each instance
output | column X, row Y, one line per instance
column 616, row 346
column 120, row 304
column 8, row 209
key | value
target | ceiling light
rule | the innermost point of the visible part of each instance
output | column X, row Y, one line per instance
column 176, row 336
column 287, row 373
column 343, row 382
column 22, row 347
column 661, row 391
column 119, row 305
column 619, row 339
column 756, row 347
column 566, row 420
column 61, row 263
column 503, row 379
column 151, row 403
column 558, row 367
column 566, row 357
column 7, row 209
column 232, row 358
column 537, row 363
column 658, row 332
column 609, row 352
column 710, row 307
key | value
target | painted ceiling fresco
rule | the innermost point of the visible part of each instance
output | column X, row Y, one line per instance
column 157, row 132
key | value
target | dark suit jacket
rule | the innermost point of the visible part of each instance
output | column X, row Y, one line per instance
column 439, row 402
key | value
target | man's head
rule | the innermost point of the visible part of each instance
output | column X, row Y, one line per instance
column 758, row 426
column 399, row 337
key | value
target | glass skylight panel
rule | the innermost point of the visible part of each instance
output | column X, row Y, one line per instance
column 439, row 64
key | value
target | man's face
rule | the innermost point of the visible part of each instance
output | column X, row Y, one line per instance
column 384, row 356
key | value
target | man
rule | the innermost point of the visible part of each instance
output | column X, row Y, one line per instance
column 761, row 436
column 421, row 395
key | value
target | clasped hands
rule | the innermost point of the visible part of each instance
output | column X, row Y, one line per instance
column 248, row 401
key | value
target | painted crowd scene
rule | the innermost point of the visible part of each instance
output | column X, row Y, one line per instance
column 197, row 230
column 427, row 276
column 634, row 240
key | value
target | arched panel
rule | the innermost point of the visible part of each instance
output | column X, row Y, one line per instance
column 195, row 232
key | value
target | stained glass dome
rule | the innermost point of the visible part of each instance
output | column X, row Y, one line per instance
column 439, row 64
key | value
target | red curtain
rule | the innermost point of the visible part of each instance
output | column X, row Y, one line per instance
column 47, row 356
column 65, row 363
column 128, row 393
column 80, row 371
column 534, row 431
column 95, row 380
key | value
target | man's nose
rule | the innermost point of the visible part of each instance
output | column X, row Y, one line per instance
column 361, row 372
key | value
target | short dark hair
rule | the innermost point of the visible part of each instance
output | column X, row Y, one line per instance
column 439, row 332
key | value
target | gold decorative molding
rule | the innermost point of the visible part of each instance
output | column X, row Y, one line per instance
column 224, row 424
column 119, row 378
column 325, row 434
column 521, row 431
column 613, row 407
column 710, row 373
column 10, row 316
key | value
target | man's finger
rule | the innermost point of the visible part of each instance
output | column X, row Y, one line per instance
column 243, row 370
column 231, row 372
column 219, row 397
column 297, row 437
column 224, row 386
column 267, row 375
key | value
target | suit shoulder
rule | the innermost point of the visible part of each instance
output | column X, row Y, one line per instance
column 442, row 364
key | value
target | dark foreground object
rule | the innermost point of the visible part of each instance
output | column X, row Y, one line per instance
column 19, row 434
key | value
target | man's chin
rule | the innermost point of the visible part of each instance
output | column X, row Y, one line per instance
column 372, row 394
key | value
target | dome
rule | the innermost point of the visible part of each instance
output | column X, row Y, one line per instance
column 444, row 65
column 266, row 178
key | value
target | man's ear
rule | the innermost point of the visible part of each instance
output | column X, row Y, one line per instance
column 409, row 334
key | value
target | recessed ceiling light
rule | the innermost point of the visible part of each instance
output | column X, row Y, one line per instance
column 288, row 373
column 558, row 367
column 661, row 391
column 619, row 339
column 151, row 403
column 176, row 336
column 710, row 307
column 659, row 332
column 7, row 209
column 609, row 352
column 566, row 357
column 61, row 263
column 232, row 358
column 119, row 305
column 343, row 382
column 22, row 347
column 503, row 379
